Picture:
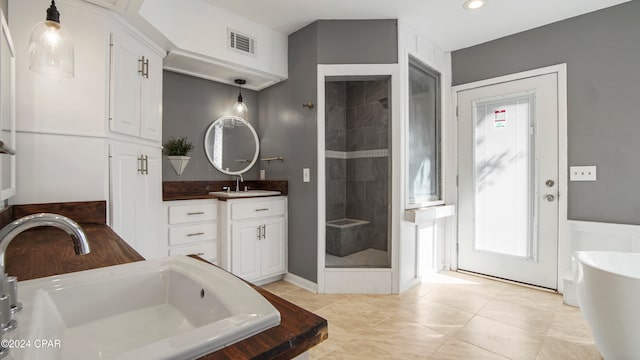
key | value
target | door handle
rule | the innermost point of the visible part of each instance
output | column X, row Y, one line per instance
column 264, row 231
column 549, row 197
column 140, row 165
column 259, row 232
column 549, row 183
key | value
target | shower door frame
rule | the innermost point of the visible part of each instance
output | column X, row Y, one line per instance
column 361, row 280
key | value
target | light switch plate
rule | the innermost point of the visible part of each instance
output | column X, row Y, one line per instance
column 582, row 173
column 306, row 175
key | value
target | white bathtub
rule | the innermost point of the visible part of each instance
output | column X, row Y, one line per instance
column 608, row 289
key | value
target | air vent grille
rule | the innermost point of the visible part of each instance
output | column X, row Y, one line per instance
column 241, row 42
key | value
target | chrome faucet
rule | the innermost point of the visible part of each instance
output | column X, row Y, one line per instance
column 239, row 180
column 8, row 296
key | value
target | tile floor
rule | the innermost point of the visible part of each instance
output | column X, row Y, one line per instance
column 450, row 316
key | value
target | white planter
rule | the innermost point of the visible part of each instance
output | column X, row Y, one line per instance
column 179, row 163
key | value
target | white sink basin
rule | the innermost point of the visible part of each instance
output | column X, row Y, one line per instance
column 169, row 308
column 241, row 194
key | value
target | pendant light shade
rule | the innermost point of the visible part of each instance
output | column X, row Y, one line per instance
column 51, row 47
column 240, row 108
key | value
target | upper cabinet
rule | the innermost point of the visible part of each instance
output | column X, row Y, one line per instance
column 135, row 97
column 7, row 113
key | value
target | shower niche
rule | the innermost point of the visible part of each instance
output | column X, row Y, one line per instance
column 358, row 171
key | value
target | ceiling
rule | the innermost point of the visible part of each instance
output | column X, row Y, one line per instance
column 445, row 22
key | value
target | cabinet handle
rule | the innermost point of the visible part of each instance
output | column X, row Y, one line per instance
column 196, row 234
column 263, row 209
column 200, row 254
column 141, row 66
column 140, row 166
column 264, row 231
column 259, row 232
column 145, row 73
column 145, row 165
column 196, row 213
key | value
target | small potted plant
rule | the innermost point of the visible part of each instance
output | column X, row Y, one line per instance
column 177, row 151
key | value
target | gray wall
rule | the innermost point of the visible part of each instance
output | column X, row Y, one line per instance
column 357, row 41
column 190, row 105
column 5, row 7
column 602, row 52
column 287, row 129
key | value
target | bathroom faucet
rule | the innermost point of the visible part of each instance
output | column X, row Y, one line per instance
column 8, row 295
column 239, row 180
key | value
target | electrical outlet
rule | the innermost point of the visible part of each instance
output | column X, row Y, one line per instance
column 582, row 173
column 306, row 175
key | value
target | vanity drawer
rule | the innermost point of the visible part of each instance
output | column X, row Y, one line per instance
column 181, row 235
column 257, row 209
column 206, row 251
column 182, row 214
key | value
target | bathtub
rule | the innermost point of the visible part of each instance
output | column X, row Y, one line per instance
column 608, row 289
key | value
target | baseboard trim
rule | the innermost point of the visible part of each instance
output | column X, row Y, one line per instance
column 301, row 282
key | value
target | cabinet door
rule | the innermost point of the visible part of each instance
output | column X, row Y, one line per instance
column 7, row 113
column 272, row 248
column 124, row 99
column 245, row 258
column 149, row 204
column 124, row 174
column 151, row 98
column 136, row 197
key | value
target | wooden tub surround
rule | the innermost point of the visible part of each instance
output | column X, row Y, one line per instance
column 41, row 252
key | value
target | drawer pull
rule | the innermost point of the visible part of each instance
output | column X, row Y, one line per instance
column 196, row 234
column 263, row 209
column 196, row 213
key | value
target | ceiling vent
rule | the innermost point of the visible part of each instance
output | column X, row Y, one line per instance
column 241, row 42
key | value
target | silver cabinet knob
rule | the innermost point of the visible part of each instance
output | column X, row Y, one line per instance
column 549, row 197
column 549, row 183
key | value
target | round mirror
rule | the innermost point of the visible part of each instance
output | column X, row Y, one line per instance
column 231, row 145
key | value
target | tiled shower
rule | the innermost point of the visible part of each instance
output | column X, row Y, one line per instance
column 357, row 137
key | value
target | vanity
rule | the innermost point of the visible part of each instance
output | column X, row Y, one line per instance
column 238, row 225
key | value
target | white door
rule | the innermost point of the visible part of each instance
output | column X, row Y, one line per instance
column 124, row 102
column 508, row 180
column 245, row 257
column 272, row 250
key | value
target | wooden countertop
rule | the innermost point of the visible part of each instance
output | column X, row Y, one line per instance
column 193, row 190
column 41, row 252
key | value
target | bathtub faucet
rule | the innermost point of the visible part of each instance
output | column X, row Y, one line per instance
column 8, row 293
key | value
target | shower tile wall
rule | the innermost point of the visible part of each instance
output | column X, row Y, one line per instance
column 336, row 140
column 360, row 192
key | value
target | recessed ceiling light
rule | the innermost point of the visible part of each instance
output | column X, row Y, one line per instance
column 474, row 4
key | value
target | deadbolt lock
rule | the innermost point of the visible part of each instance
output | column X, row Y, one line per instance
column 549, row 183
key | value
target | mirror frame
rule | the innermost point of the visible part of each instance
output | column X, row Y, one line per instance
column 255, row 139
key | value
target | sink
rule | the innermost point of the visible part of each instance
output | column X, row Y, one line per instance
column 169, row 308
column 241, row 194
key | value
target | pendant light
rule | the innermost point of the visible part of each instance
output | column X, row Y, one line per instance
column 240, row 108
column 51, row 47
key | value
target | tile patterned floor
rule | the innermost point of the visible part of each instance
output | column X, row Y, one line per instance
column 451, row 316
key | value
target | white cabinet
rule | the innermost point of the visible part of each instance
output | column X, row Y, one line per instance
column 7, row 113
column 135, row 101
column 136, row 196
column 253, row 238
column 191, row 228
